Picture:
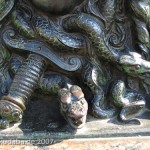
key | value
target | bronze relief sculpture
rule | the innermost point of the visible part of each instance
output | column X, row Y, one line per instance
column 45, row 43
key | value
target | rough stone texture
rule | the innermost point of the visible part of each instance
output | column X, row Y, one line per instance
column 43, row 119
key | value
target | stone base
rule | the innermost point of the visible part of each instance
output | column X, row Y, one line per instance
column 136, row 143
column 43, row 125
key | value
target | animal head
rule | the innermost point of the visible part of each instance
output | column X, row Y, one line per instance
column 134, row 65
column 73, row 106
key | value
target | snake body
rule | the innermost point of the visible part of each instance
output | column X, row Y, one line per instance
column 127, row 101
column 5, row 7
column 93, row 28
column 52, row 82
column 56, row 37
column 20, row 21
column 48, row 30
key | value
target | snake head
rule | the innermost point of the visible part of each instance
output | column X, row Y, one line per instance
column 134, row 65
column 73, row 106
column 9, row 112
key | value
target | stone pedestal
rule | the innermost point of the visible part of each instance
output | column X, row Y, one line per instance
column 43, row 125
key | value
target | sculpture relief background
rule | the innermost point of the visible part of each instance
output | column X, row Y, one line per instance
column 92, row 54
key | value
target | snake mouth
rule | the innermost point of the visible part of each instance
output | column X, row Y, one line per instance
column 140, row 103
column 144, row 75
column 76, row 114
column 77, row 123
column 74, row 121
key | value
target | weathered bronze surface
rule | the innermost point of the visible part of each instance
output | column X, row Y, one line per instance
column 93, row 55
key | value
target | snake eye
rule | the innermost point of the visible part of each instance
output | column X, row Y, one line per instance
column 138, row 67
